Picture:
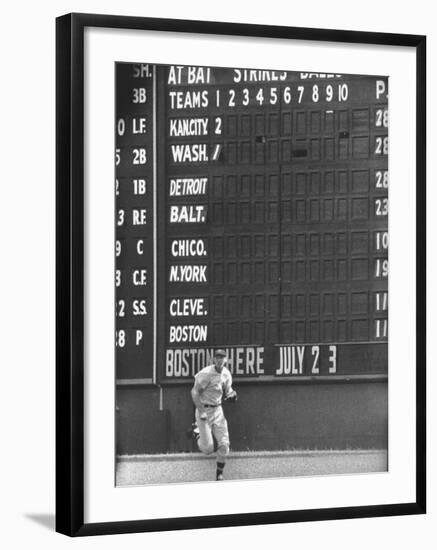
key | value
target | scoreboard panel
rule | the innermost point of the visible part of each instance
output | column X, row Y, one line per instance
column 135, row 236
column 259, row 201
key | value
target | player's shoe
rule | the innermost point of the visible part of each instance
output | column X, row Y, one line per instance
column 219, row 477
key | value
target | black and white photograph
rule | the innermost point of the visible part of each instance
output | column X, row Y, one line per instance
column 218, row 306
column 238, row 208
column 251, row 250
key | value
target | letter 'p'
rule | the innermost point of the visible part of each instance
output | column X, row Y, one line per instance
column 138, row 337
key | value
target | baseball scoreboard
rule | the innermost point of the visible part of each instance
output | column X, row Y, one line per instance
column 251, row 214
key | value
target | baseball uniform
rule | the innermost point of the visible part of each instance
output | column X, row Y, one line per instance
column 211, row 385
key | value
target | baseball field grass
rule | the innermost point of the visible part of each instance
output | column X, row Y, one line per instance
column 134, row 470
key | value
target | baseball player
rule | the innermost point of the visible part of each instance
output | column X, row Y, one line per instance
column 212, row 385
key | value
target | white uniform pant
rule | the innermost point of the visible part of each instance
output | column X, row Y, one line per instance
column 215, row 424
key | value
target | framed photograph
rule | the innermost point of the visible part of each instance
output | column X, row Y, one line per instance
column 240, row 274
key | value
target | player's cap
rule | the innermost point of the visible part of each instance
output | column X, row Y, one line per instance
column 220, row 353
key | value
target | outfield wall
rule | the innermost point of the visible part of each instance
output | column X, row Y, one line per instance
column 334, row 415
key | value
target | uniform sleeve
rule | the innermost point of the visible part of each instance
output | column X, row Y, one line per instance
column 200, row 381
column 228, row 384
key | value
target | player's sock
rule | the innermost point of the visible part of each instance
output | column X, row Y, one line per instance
column 219, row 473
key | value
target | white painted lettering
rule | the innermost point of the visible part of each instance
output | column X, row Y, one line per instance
column 250, row 361
column 139, row 216
column 188, row 100
column 380, row 89
column 186, row 247
column 183, row 307
column 139, row 307
column 259, row 360
column 188, row 274
column 247, row 75
column 195, row 152
column 140, row 187
column 198, row 75
column 139, row 277
column 185, row 127
column 188, row 333
column 139, row 125
column 239, row 361
column 300, row 355
column 333, row 359
column 180, row 187
column 187, row 214
column 175, row 74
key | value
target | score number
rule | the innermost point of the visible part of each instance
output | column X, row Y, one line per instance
column 381, row 145
column 381, row 207
column 381, row 179
column 381, row 118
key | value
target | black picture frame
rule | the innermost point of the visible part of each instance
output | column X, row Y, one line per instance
column 70, row 273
